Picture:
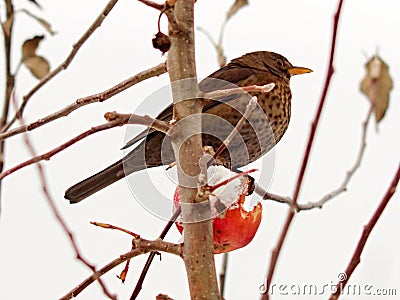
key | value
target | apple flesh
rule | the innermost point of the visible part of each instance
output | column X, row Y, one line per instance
column 234, row 228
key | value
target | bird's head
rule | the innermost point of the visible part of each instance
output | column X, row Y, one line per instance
column 275, row 63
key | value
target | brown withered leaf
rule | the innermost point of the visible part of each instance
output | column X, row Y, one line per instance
column 377, row 85
column 29, row 47
column 38, row 65
column 236, row 7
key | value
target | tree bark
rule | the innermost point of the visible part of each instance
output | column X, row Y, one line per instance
column 198, row 251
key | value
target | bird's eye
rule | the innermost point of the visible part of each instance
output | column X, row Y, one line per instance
column 279, row 63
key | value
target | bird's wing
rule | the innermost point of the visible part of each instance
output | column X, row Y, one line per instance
column 234, row 73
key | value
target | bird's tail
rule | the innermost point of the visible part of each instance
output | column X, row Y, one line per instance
column 95, row 183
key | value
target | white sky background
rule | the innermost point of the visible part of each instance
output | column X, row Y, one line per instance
column 36, row 259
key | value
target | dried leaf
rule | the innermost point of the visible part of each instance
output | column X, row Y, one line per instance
column 7, row 25
column 377, row 85
column 38, row 66
column 41, row 21
column 236, row 7
column 29, row 47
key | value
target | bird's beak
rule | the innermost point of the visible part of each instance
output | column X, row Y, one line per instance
column 299, row 70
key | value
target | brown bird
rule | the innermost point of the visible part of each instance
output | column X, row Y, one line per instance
column 262, row 130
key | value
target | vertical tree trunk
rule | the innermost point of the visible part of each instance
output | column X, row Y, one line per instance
column 187, row 144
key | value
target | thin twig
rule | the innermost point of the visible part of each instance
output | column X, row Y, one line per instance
column 217, row 46
column 75, row 48
column 10, row 78
column 222, row 274
column 153, row 4
column 99, row 97
column 51, row 153
column 150, row 259
column 240, row 90
column 145, row 120
column 114, row 120
column 142, row 246
column 334, row 193
column 56, row 213
column 290, row 215
column 113, row 227
column 270, row 196
column 356, row 258
column 249, row 108
column 349, row 174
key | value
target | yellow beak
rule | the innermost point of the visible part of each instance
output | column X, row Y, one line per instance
column 299, row 71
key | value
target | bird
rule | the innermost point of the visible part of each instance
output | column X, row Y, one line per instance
column 262, row 130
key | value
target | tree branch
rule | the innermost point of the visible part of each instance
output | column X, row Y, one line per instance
column 142, row 246
column 114, row 120
column 63, row 66
column 145, row 120
column 150, row 259
column 291, row 212
column 240, row 90
column 99, row 97
column 153, row 4
column 356, row 258
column 249, row 108
column 56, row 213
column 10, row 79
column 222, row 273
column 334, row 193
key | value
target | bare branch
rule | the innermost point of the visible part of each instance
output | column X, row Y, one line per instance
column 10, row 77
column 97, row 23
column 356, row 258
column 240, row 90
column 153, row 4
column 270, row 196
column 218, row 46
column 336, row 192
column 51, row 153
column 150, row 259
column 291, row 212
column 99, row 97
column 56, row 213
column 114, row 120
column 249, row 108
column 145, row 120
column 237, row 5
column 142, row 246
column 222, row 274
column 349, row 174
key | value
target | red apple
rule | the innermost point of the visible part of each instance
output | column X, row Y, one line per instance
column 234, row 228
